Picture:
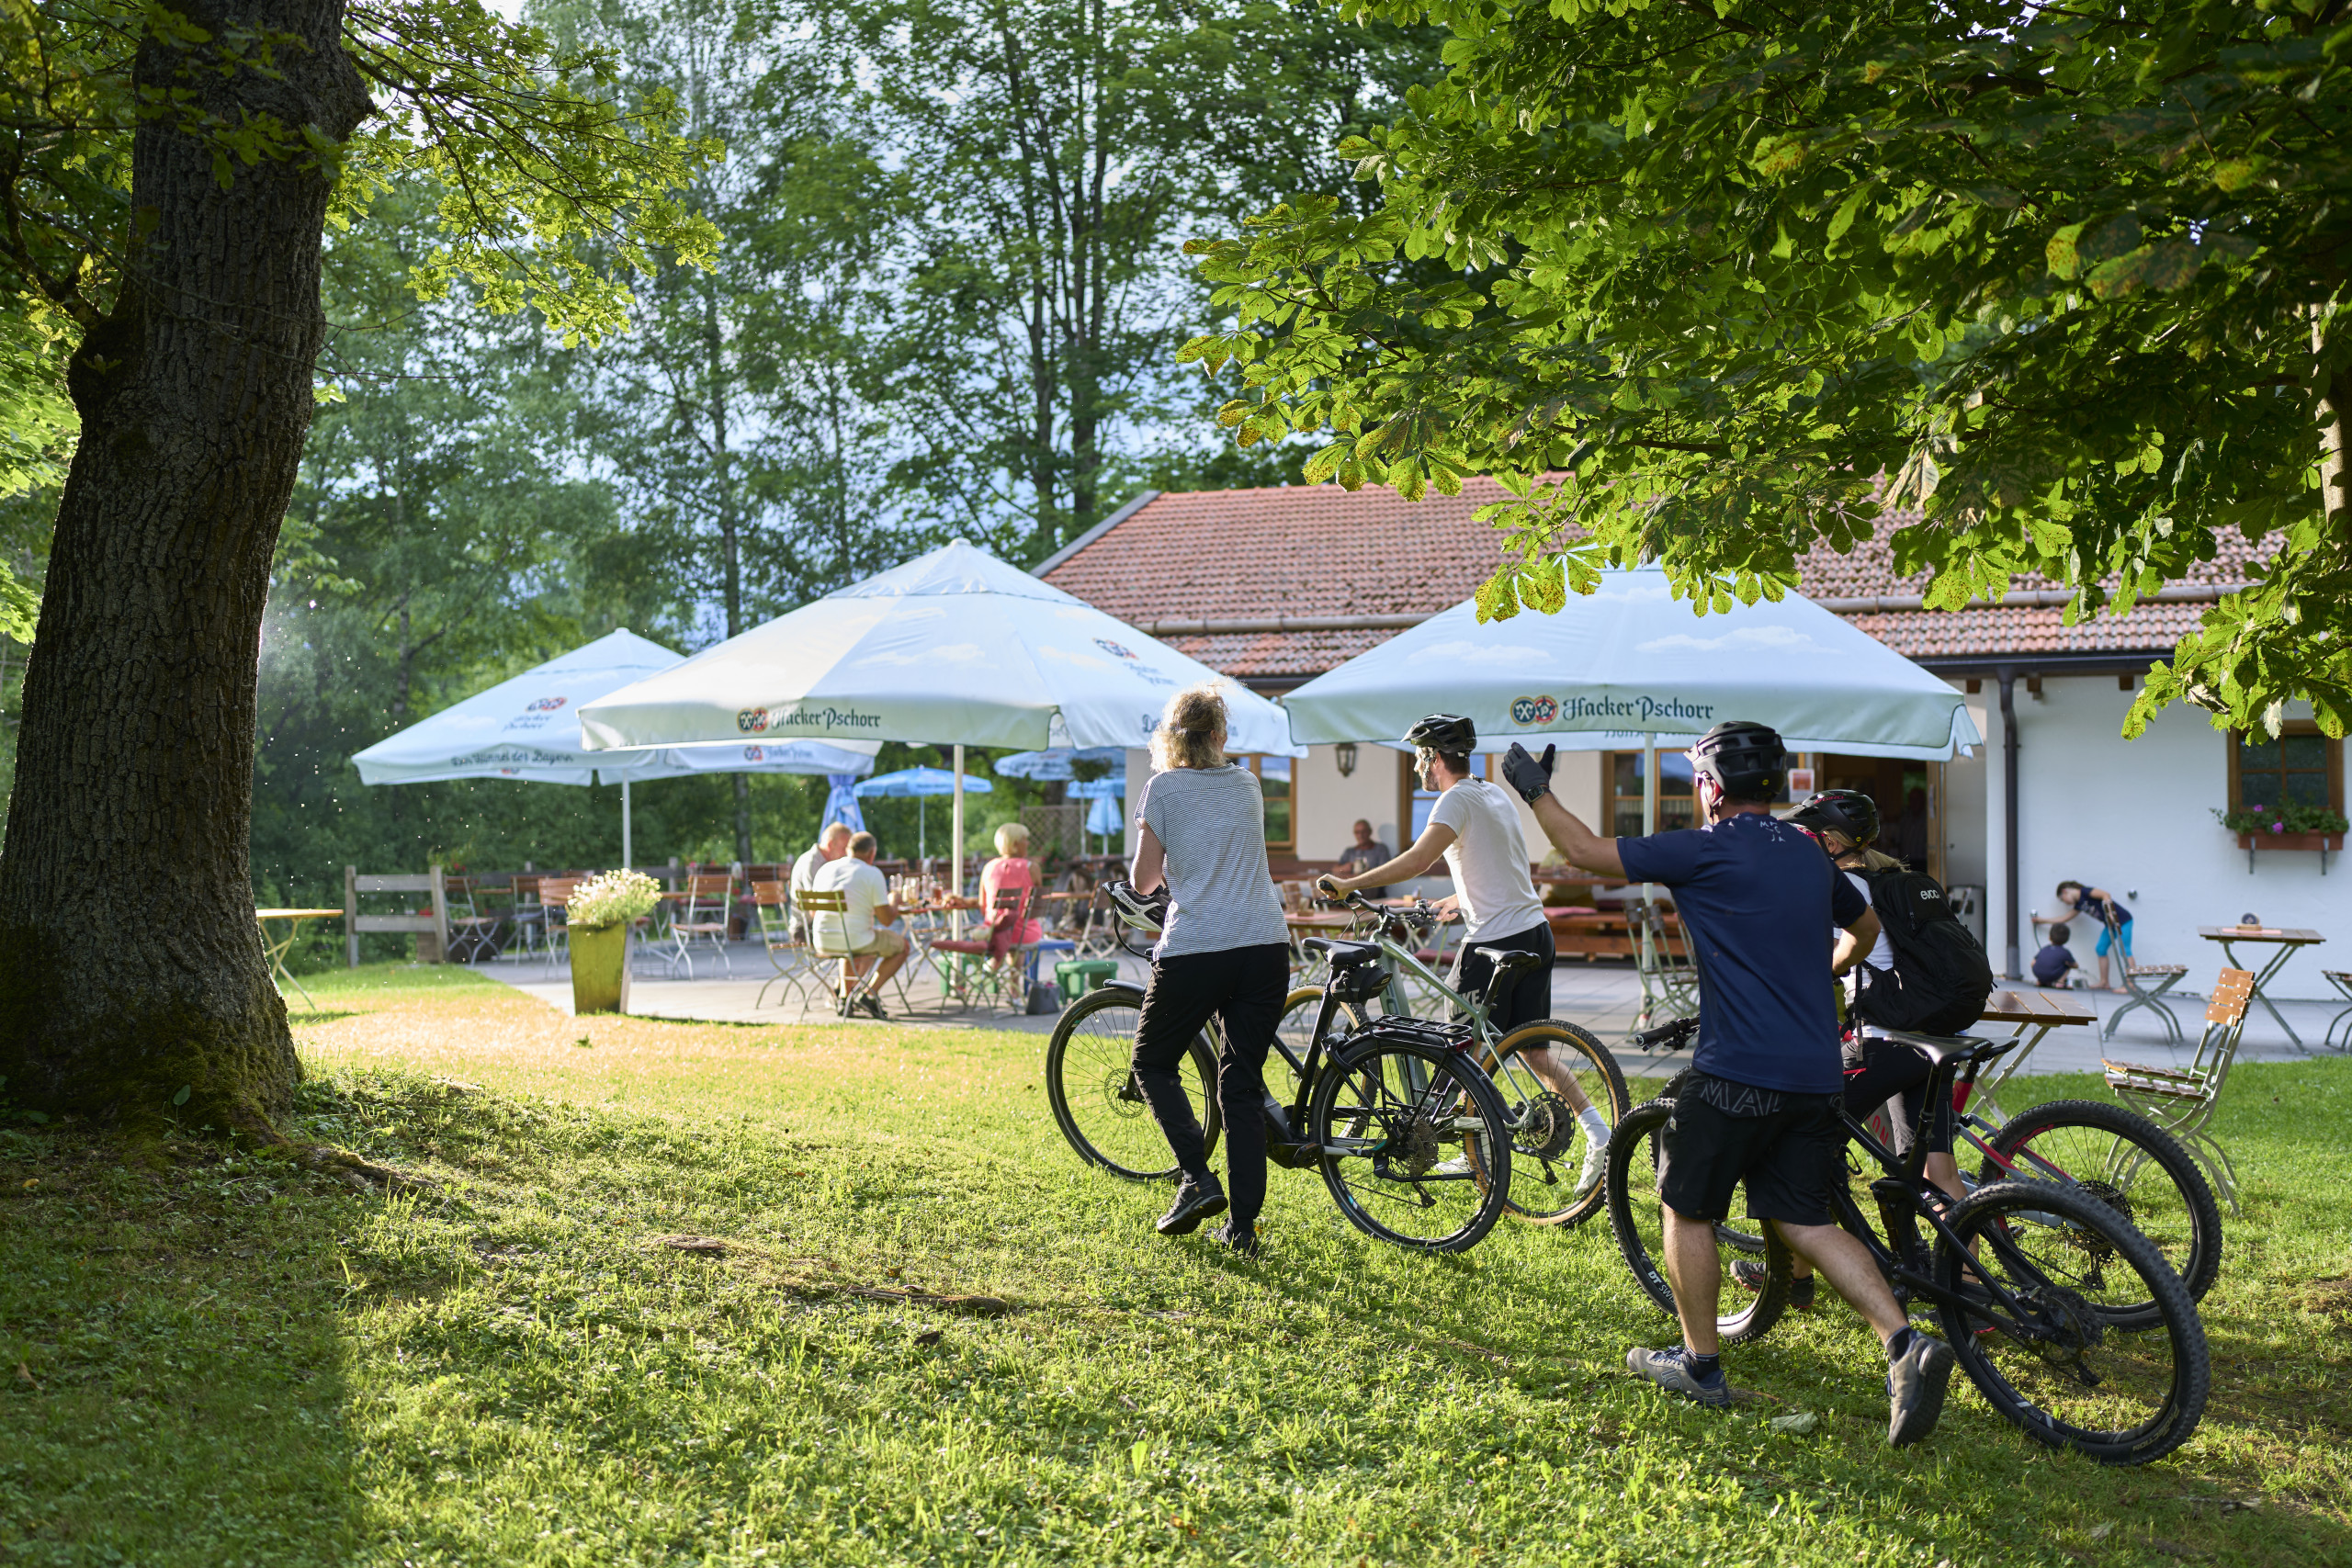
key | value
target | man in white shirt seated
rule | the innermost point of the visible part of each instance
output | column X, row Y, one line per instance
column 830, row 845
column 869, row 919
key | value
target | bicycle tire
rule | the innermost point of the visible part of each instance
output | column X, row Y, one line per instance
column 1375, row 1124
column 2183, row 1221
column 2169, row 1368
column 1543, row 1128
column 1091, row 1087
column 1637, row 1219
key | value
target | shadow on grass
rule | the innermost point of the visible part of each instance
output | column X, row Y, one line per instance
column 172, row 1374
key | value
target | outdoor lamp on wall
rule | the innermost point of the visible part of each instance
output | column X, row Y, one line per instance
column 1344, row 753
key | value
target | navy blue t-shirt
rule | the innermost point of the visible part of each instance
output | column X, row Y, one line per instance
column 1759, row 904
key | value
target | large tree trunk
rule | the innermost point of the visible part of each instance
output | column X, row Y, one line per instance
column 130, row 963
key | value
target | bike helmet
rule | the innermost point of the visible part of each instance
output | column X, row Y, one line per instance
column 1745, row 759
column 1145, row 911
column 1846, row 811
column 1448, row 734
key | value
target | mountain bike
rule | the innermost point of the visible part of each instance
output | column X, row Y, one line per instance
column 1415, row 1142
column 2113, row 1154
column 1528, row 1064
column 2064, row 1316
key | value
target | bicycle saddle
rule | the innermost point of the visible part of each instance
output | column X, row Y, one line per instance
column 1941, row 1048
column 1508, row 961
column 1343, row 954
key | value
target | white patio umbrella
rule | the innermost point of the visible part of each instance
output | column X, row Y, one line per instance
column 954, row 648
column 527, row 728
column 1631, row 664
column 921, row 784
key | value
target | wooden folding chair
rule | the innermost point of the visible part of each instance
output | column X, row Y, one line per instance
column 795, row 965
column 2136, row 978
column 966, row 974
column 2182, row 1100
column 473, row 936
column 555, row 897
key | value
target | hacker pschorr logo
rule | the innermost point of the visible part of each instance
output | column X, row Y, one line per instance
column 1533, row 710
column 1113, row 649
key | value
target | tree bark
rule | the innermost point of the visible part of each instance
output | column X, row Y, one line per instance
column 130, row 962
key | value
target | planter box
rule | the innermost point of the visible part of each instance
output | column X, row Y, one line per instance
column 599, row 970
column 2323, row 843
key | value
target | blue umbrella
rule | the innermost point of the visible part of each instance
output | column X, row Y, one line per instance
column 1056, row 764
column 1104, row 818
column 841, row 803
column 922, row 783
column 1098, row 789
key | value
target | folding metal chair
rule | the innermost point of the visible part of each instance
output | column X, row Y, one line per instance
column 473, row 936
column 2182, row 1100
column 701, row 920
column 2135, row 978
column 795, row 965
column 1670, row 983
column 529, row 916
column 2342, row 980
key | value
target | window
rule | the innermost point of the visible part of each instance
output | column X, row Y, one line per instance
column 1676, row 806
column 2301, row 767
column 1274, row 779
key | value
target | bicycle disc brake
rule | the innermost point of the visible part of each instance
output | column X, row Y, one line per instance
column 1120, row 1090
column 1544, row 1127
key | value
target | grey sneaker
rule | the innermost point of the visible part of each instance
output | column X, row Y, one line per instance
column 1915, row 1389
column 1669, row 1372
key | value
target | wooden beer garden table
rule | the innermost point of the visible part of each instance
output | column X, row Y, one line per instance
column 2285, row 939
column 2034, row 1014
column 278, row 946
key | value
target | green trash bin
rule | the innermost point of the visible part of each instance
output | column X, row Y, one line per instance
column 1076, row 976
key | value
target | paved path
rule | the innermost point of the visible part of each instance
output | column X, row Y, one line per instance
column 1601, row 997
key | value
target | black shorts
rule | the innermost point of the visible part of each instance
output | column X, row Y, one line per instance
column 1785, row 1156
column 1531, row 994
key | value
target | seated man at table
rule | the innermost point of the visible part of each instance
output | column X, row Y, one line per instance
column 1363, row 855
column 830, row 845
column 869, row 919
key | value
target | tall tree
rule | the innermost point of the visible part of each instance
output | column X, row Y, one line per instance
column 170, row 175
column 2073, row 278
column 1064, row 147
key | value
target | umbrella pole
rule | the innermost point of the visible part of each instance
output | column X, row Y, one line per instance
column 625, row 843
column 955, row 872
column 923, row 843
column 1649, row 825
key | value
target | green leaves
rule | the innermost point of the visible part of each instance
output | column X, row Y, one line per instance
column 1704, row 286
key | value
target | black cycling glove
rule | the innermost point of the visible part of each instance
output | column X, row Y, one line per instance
column 1531, row 778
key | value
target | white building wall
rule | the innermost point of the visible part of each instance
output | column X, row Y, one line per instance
column 2135, row 816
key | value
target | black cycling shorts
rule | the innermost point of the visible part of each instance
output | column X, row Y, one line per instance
column 1879, row 1070
column 1531, row 994
column 1785, row 1155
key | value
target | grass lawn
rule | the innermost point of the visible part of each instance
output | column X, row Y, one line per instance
column 216, row 1360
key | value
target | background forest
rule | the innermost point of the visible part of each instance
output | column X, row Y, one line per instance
column 948, row 294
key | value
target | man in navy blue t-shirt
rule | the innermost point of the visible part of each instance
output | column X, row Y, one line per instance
column 1760, row 902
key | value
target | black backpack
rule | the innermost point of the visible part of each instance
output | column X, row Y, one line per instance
column 1940, row 977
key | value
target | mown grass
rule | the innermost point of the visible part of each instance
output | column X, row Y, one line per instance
column 223, row 1361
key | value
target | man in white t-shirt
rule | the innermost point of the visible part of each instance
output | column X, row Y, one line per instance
column 1473, row 828
column 869, row 919
column 830, row 845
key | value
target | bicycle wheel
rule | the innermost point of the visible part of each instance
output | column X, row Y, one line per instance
column 1416, row 1146
column 1550, row 1150
column 2058, row 1365
column 1638, row 1219
column 1091, row 1085
column 2131, row 1165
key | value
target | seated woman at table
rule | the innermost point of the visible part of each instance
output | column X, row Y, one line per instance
column 1011, row 870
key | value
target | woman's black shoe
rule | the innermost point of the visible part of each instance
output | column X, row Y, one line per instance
column 1244, row 1242
column 1195, row 1201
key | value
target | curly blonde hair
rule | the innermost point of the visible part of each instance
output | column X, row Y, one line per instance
column 1191, row 728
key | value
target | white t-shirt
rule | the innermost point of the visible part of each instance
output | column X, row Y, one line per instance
column 866, row 887
column 1489, row 859
column 1882, row 955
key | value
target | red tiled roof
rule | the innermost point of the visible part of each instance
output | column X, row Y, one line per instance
column 1322, row 551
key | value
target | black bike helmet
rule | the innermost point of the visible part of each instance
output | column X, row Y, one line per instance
column 1449, row 734
column 1846, row 811
column 1745, row 759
